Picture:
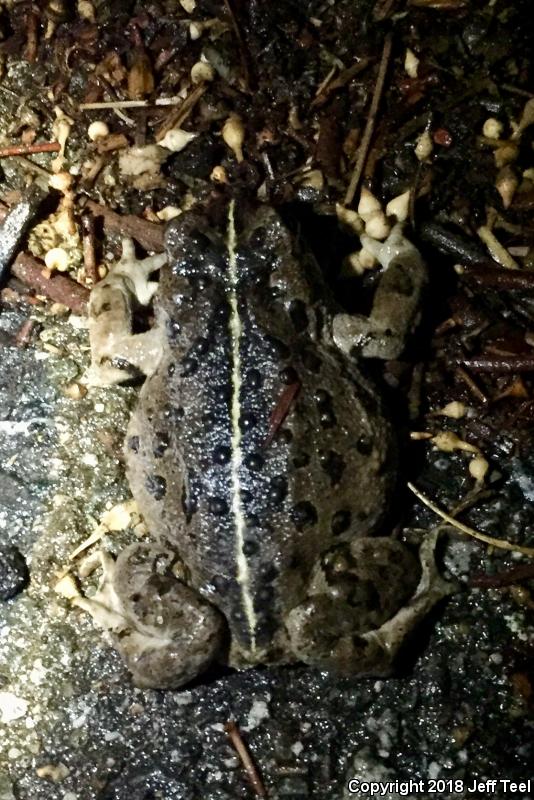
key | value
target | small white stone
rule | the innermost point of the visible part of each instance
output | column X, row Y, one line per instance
column 478, row 467
column 188, row 5
column 424, row 146
column 168, row 213
column 86, row 10
column 202, row 72
column 177, row 139
column 97, row 130
column 195, row 31
column 57, row 259
column 368, row 204
column 399, row 207
column 12, row 707
column 411, row 63
column 492, row 128
column 233, row 133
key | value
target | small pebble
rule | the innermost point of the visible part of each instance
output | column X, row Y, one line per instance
column 13, row 572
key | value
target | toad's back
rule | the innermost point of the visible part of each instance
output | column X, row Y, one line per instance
column 246, row 502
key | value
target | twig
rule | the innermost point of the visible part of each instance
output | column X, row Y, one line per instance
column 281, row 410
column 329, row 85
column 243, row 52
column 243, row 753
column 371, row 120
column 112, row 105
column 507, row 578
column 502, row 544
column 88, row 241
column 499, row 278
column 471, row 385
column 24, row 333
column 179, row 115
column 32, row 26
column 148, row 234
column 29, row 149
column 503, row 364
column 58, row 287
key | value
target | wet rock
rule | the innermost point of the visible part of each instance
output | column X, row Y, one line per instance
column 13, row 572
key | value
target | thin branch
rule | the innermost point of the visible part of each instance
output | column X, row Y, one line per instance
column 29, row 149
column 499, row 364
column 371, row 120
column 117, row 104
column 502, row 544
column 58, row 288
column 253, row 775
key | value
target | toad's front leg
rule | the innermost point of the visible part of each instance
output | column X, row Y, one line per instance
column 396, row 301
column 118, row 354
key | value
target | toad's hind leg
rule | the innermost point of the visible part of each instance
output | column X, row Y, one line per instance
column 357, row 626
column 170, row 634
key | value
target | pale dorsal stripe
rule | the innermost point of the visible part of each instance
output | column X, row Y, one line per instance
column 236, row 332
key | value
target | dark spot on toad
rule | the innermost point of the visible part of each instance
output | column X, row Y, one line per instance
column 311, row 361
column 133, row 443
column 288, row 375
column 173, row 329
column 299, row 317
column 279, row 349
column 254, row 379
column 277, row 490
column 364, row 446
column 301, row 460
column 221, row 455
column 218, row 506
column 303, row 514
column 285, row 435
column 189, row 366
column 223, row 393
column 250, row 547
column 161, row 443
column 333, row 464
column 200, row 347
column 258, row 237
column 247, row 422
column 254, row 461
column 156, row 485
column 340, row 522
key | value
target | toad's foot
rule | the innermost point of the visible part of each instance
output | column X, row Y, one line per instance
column 117, row 354
column 331, row 631
column 396, row 301
column 165, row 632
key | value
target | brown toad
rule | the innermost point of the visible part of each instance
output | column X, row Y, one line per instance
column 260, row 458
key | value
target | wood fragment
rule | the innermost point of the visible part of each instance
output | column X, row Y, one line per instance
column 243, row 51
column 503, row 364
column 177, row 117
column 24, row 333
column 112, row 105
column 499, row 278
column 508, row 577
column 148, row 234
column 371, row 120
column 252, row 772
column 329, row 86
column 384, row 9
column 115, row 141
column 281, row 410
column 32, row 28
column 88, row 244
column 471, row 385
column 29, row 149
column 58, row 288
